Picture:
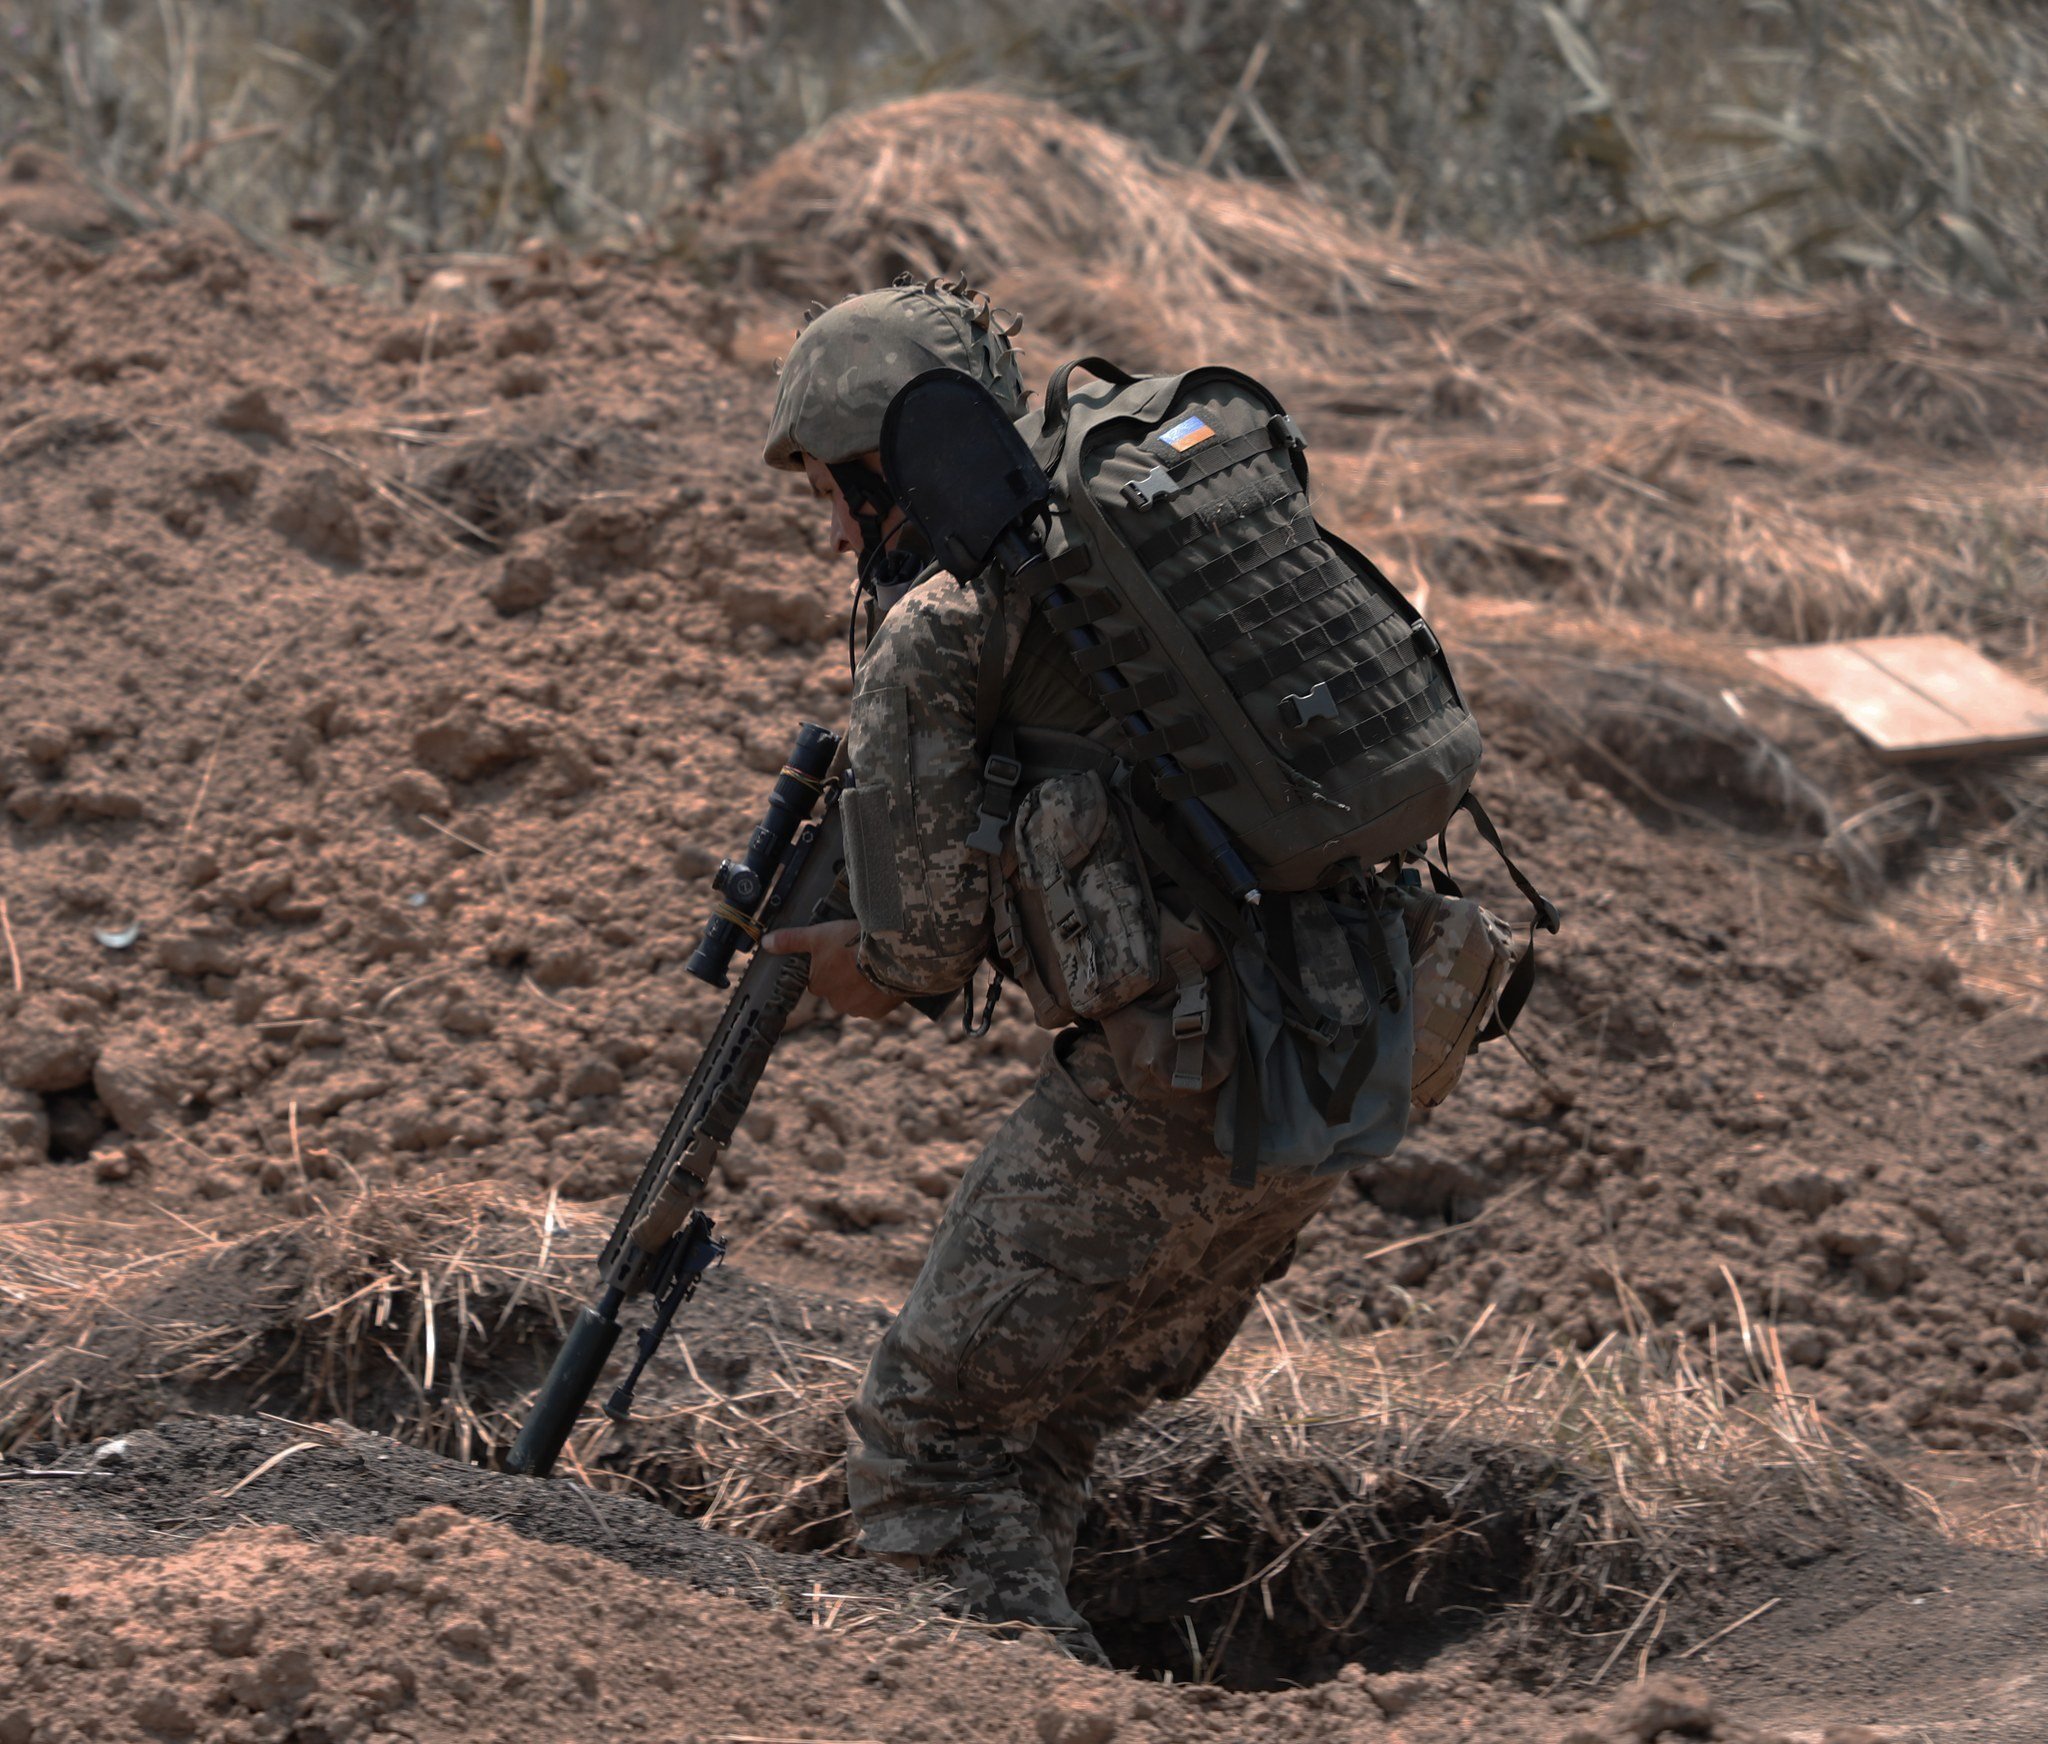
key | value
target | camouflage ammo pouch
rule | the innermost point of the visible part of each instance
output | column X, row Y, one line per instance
column 1075, row 922
column 1463, row 955
column 1183, row 1038
column 1077, row 926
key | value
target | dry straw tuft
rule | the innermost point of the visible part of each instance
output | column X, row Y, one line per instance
column 389, row 1308
column 1316, row 1484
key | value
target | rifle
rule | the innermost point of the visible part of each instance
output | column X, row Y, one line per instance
column 791, row 874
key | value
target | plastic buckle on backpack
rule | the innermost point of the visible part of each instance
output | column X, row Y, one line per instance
column 1142, row 493
column 1287, row 430
column 1064, row 911
column 1426, row 639
column 1315, row 704
column 1190, row 1025
column 1327, row 1031
column 999, row 778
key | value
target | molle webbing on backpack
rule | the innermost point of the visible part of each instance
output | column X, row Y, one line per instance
column 1375, row 730
column 1268, row 547
column 1232, row 508
column 1302, row 696
column 1362, row 631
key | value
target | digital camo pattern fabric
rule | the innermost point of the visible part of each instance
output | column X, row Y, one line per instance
column 1464, row 954
column 921, row 894
column 1096, row 1258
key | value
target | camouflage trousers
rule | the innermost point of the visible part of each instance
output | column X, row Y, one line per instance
column 1094, row 1259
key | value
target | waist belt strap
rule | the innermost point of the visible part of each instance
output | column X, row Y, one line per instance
column 1547, row 916
column 1046, row 752
column 1522, row 978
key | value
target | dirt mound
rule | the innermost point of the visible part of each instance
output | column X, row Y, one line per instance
column 1371, row 1533
column 1741, row 1096
column 380, row 1608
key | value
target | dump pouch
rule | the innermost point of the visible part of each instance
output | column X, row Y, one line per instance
column 1463, row 955
column 1296, row 1102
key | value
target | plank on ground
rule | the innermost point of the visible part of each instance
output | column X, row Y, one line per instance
column 1918, row 697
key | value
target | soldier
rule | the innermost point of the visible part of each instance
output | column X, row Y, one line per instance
column 1098, row 1255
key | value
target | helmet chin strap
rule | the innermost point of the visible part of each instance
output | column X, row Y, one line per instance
column 868, row 495
column 884, row 576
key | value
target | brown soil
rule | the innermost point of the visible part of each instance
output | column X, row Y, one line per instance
column 399, row 676
column 243, row 1579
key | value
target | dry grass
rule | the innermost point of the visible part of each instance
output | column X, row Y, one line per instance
column 1339, row 1483
column 380, row 1306
column 1600, row 1494
column 1338, row 1490
column 1761, row 147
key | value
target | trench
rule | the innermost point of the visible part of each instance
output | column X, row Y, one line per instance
column 1279, row 1574
column 1208, row 1552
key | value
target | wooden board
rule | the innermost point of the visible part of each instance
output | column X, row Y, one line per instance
column 1917, row 697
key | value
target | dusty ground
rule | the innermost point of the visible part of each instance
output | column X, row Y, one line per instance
column 378, row 689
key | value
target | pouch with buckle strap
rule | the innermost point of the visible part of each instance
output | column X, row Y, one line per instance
column 1182, row 1038
column 1079, row 903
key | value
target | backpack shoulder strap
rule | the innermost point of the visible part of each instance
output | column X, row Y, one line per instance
column 989, row 675
column 1547, row 915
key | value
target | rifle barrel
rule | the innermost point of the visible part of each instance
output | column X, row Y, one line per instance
column 567, row 1389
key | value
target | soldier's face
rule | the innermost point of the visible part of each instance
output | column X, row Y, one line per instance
column 845, row 529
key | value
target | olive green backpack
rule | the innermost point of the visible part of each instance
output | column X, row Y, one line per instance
column 1298, row 694
column 1306, row 701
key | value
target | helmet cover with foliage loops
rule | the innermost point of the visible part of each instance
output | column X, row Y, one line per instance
column 850, row 361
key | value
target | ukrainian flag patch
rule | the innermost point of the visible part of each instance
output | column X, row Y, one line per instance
column 1190, row 432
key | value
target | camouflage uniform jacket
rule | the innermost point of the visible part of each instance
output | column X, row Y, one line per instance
column 920, row 893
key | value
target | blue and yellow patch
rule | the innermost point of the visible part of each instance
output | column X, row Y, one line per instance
column 1190, row 432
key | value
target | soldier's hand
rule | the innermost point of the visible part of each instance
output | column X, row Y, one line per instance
column 832, row 946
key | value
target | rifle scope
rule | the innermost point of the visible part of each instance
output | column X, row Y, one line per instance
column 742, row 885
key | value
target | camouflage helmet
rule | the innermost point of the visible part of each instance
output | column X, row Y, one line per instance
column 848, row 363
